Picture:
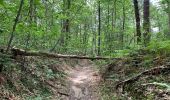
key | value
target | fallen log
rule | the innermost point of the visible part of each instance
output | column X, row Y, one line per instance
column 21, row 52
column 152, row 71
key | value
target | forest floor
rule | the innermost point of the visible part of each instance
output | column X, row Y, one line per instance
column 38, row 78
column 83, row 81
column 51, row 79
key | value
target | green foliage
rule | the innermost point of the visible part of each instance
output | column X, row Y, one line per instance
column 44, row 26
column 1, row 2
column 29, row 77
column 5, row 61
column 106, row 94
column 4, row 58
column 148, row 60
column 37, row 2
column 122, row 53
column 49, row 73
column 159, row 47
column 45, row 30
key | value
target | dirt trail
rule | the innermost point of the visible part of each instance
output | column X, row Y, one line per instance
column 83, row 80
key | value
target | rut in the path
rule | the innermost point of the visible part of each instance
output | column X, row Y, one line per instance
column 83, row 82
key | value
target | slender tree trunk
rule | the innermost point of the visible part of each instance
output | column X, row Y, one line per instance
column 115, row 13
column 46, row 16
column 168, row 2
column 115, row 24
column 108, row 15
column 35, row 14
column 67, row 21
column 137, row 16
column 95, row 34
column 110, row 35
column 31, row 13
column 31, row 10
column 85, row 42
column 52, row 14
column 123, row 25
column 108, row 28
column 80, row 31
column 159, row 23
column 99, row 28
column 169, row 15
column 146, row 23
column 14, row 26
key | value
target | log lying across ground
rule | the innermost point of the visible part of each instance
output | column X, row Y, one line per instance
column 17, row 51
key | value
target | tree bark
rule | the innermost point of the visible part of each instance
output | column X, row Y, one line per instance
column 146, row 22
column 99, row 28
column 169, row 15
column 65, row 24
column 16, row 52
column 123, row 24
column 137, row 17
column 168, row 3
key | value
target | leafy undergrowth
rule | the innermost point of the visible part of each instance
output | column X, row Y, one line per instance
column 32, row 78
column 147, row 87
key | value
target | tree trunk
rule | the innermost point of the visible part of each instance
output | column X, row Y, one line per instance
column 67, row 21
column 123, row 25
column 31, row 10
column 146, row 22
column 20, row 52
column 168, row 3
column 15, row 24
column 35, row 14
column 85, row 41
column 99, row 28
column 137, row 16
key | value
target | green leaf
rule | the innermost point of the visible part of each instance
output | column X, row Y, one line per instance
column 37, row 2
column 2, row 2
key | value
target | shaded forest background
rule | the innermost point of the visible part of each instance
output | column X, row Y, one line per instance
column 88, row 27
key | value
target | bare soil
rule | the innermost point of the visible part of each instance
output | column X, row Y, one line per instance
column 83, row 81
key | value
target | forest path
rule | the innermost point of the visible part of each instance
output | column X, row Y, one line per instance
column 83, row 81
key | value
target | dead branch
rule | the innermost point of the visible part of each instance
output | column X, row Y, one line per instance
column 156, row 84
column 152, row 71
column 65, row 94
